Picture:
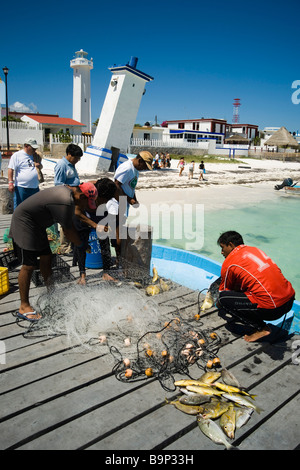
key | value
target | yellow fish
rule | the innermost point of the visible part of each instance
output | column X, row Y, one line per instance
column 155, row 275
column 204, row 390
column 152, row 290
column 164, row 286
column 227, row 421
column 188, row 409
column 208, row 302
column 214, row 409
column 186, row 382
column 210, row 377
column 231, row 389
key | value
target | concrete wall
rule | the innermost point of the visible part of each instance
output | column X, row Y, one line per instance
column 18, row 133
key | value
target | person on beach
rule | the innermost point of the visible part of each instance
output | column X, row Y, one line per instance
column 191, row 169
column 28, row 230
column 181, row 165
column 66, row 173
column 22, row 174
column 106, row 190
column 252, row 287
column 202, row 170
column 126, row 178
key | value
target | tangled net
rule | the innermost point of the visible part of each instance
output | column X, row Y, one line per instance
column 172, row 349
column 121, row 322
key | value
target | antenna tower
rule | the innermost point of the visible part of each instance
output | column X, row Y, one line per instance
column 236, row 105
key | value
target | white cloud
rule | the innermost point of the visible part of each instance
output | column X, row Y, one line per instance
column 23, row 108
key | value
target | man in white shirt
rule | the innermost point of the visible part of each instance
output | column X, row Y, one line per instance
column 22, row 174
column 126, row 178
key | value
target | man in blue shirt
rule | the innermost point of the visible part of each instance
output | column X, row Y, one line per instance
column 65, row 171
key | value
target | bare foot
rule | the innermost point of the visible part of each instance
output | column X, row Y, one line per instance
column 81, row 281
column 257, row 335
column 107, row 277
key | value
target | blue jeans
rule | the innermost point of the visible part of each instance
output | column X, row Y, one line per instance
column 20, row 194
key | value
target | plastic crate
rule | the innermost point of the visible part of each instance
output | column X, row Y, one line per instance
column 4, row 281
column 60, row 271
column 8, row 259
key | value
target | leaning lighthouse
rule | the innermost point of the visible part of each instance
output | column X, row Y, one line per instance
column 82, row 66
column 125, row 90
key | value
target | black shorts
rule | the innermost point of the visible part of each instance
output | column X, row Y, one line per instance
column 238, row 304
column 28, row 257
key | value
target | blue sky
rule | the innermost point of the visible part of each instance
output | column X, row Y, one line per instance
column 202, row 55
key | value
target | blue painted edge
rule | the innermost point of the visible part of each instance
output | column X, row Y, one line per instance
column 186, row 257
column 189, row 258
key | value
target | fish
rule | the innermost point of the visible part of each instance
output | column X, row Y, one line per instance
column 208, row 302
column 186, row 382
column 138, row 285
column 210, row 377
column 241, row 400
column 214, row 409
column 231, row 389
column 164, row 286
column 188, row 409
column 227, row 421
column 242, row 416
column 204, row 390
column 229, row 379
column 186, row 392
column 152, row 290
column 196, row 399
column 155, row 274
column 211, row 430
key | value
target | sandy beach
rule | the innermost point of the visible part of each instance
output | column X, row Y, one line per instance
column 226, row 184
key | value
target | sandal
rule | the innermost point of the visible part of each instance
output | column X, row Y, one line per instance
column 24, row 316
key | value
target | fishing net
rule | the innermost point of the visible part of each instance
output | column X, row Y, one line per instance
column 171, row 349
column 119, row 321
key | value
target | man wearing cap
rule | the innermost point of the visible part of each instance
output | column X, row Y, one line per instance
column 22, row 174
column 126, row 178
column 28, row 231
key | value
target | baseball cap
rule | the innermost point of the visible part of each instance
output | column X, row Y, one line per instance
column 32, row 142
column 147, row 157
column 90, row 191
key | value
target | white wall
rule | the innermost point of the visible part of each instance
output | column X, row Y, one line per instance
column 19, row 132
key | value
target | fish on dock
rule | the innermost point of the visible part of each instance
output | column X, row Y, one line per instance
column 242, row 400
column 228, row 421
column 231, row 389
column 188, row 409
column 211, row 430
column 229, row 379
column 242, row 416
column 204, row 390
column 210, row 377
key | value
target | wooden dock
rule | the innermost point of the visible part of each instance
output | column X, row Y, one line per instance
column 55, row 398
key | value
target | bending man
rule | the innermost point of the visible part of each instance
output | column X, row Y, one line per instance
column 28, row 231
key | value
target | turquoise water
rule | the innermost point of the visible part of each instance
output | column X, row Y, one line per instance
column 273, row 226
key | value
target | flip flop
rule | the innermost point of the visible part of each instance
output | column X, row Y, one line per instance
column 23, row 316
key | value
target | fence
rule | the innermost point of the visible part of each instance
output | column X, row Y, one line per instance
column 68, row 138
column 167, row 143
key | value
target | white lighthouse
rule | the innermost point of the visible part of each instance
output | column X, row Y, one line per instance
column 117, row 119
column 82, row 66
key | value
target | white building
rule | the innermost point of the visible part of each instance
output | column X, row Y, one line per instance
column 197, row 130
column 82, row 67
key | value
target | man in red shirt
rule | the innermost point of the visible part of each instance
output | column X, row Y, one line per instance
column 252, row 286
